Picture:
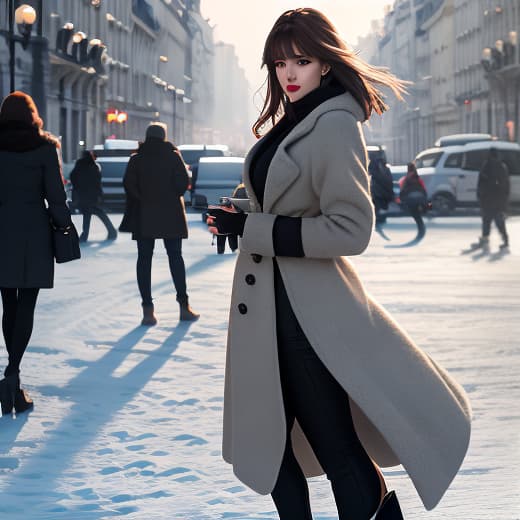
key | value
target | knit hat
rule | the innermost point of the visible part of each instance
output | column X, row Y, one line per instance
column 19, row 106
column 157, row 130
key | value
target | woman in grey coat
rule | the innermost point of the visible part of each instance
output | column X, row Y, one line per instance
column 30, row 179
column 319, row 378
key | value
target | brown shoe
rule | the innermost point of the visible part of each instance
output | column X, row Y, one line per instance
column 149, row 318
column 186, row 312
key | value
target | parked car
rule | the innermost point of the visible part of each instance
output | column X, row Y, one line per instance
column 113, row 159
column 112, row 173
column 376, row 151
column 217, row 177
column 456, row 139
column 192, row 153
column 398, row 171
column 450, row 173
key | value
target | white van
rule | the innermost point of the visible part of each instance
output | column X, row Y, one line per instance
column 450, row 173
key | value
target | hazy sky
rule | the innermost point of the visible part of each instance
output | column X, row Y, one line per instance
column 246, row 23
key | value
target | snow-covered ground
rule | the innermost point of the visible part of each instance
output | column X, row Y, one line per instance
column 127, row 419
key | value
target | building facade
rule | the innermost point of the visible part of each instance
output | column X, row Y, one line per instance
column 232, row 120
column 110, row 67
column 463, row 61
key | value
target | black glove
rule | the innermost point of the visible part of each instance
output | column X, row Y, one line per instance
column 228, row 222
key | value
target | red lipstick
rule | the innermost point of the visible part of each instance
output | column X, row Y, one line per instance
column 293, row 88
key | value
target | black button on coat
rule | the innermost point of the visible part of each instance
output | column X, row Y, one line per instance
column 30, row 174
column 155, row 181
column 250, row 279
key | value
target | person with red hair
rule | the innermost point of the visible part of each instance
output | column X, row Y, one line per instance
column 31, row 192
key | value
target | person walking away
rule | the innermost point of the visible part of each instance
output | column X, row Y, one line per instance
column 381, row 187
column 30, row 179
column 155, row 181
column 87, row 194
column 493, row 187
column 414, row 198
column 319, row 378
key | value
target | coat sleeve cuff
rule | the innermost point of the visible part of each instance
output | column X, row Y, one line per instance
column 287, row 237
column 258, row 234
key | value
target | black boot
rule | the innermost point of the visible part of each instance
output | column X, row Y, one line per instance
column 389, row 508
column 12, row 396
column 186, row 312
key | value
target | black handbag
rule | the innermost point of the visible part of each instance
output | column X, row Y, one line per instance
column 65, row 243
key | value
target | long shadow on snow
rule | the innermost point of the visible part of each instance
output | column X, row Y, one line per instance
column 203, row 264
column 97, row 395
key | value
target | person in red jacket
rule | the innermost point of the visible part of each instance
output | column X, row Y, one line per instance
column 413, row 197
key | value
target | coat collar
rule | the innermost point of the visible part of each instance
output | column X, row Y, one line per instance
column 18, row 136
column 276, row 185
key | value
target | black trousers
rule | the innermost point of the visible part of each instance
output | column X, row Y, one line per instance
column 17, row 323
column 221, row 243
column 488, row 216
column 88, row 211
column 320, row 405
column 145, row 247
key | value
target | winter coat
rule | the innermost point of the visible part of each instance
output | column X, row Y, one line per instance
column 86, row 183
column 155, row 181
column 381, row 183
column 413, row 194
column 30, row 175
column 407, row 410
column 493, row 185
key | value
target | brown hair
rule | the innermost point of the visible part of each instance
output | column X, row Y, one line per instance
column 314, row 36
column 19, row 106
column 411, row 168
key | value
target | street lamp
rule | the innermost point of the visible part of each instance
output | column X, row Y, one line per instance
column 24, row 16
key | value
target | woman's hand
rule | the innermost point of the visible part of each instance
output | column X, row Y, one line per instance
column 224, row 220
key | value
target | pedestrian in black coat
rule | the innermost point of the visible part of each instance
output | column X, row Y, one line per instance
column 381, row 187
column 87, row 194
column 493, row 188
column 155, row 181
column 30, row 178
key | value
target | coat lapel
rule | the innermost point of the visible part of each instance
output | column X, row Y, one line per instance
column 283, row 171
column 253, row 201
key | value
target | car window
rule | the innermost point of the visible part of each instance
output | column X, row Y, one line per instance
column 512, row 159
column 474, row 159
column 454, row 160
column 193, row 156
column 113, row 169
column 213, row 171
column 428, row 160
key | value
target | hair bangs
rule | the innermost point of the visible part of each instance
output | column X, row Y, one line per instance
column 288, row 43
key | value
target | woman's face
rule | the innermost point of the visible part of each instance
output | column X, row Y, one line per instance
column 299, row 75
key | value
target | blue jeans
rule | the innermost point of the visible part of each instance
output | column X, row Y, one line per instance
column 173, row 248
column 88, row 211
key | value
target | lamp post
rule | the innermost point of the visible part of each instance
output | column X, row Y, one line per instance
column 24, row 16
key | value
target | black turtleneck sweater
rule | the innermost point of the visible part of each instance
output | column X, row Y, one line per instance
column 287, row 237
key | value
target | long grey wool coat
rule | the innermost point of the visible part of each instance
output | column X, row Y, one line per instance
column 407, row 410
